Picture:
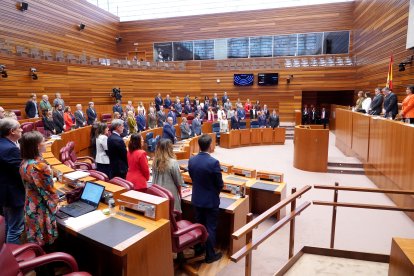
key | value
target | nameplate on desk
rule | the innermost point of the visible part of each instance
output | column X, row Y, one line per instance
column 246, row 173
column 275, row 178
column 225, row 202
column 264, row 186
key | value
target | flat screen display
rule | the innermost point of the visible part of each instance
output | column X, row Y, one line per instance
column 243, row 79
column 267, row 78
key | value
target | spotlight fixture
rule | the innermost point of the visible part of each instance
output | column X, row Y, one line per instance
column 3, row 71
column 118, row 39
column 81, row 26
column 23, row 6
column 407, row 61
column 33, row 73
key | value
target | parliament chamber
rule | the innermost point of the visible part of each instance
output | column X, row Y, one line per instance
column 328, row 189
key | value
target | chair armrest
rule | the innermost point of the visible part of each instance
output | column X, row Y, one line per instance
column 83, row 166
column 177, row 215
column 195, row 226
column 28, row 247
column 90, row 159
column 27, row 266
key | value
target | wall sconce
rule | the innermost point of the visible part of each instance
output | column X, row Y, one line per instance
column 218, row 80
column 23, row 6
column 289, row 78
column 33, row 73
column 81, row 26
column 3, row 71
column 407, row 61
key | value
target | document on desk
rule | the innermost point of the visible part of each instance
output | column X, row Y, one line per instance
column 86, row 220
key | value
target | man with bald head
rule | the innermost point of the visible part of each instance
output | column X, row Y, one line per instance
column 79, row 116
column 168, row 130
column 45, row 105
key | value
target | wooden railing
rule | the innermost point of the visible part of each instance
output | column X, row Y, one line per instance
column 246, row 230
column 336, row 204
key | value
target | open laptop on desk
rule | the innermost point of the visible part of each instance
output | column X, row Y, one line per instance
column 88, row 201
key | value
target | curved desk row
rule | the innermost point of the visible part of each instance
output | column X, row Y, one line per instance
column 252, row 136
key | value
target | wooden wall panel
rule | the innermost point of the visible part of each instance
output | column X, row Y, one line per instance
column 53, row 25
column 380, row 28
column 315, row 18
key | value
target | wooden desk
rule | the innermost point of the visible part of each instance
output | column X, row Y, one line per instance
column 267, row 135
column 62, row 168
column 231, row 218
column 140, row 254
column 311, row 149
column 53, row 161
column 279, row 135
column 255, row 136
column 48, row 154
column 225, row 140
column 244, row 137
column 402, row 257
column 234, row 138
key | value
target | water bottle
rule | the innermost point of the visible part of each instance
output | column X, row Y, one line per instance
column 111, row 206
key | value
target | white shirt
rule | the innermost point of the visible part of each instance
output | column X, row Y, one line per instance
column 220, row 114
column 366, row 104
column 101, row 146
column 224, row 126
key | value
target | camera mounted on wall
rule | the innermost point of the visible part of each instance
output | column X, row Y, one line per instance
column 407, row 61
column 116, row 93
column 33, row 73
column 3, row 71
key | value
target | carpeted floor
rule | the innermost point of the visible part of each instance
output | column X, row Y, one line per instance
column 357, row 229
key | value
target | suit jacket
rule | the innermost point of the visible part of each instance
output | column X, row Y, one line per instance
column 235, row 123
column 168, row 132
column 262, row 121
column 167, row 103
column 267, row 113
column 91, row 112
column 185, row 131
column 241, row 113
column 274, row 121
column 161, row 118
column 12, row 191
column 224, row 99
column 214, row 102
column 142, row 122
column 391, row 105
column 205, row 173
column 49, row 125
column 196, row 124
column 376, row 105
column 59, row 121
column 118, row 108
column 152, row 120
column 253, row 114
column 202, row 114
column 158, row 102
column 173, row 116
column 187, row 109
column 31, row 109
column 178, row 108
column 117, row 154
column 79, row 119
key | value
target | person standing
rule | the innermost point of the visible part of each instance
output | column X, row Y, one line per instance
column 49, row 125
column 68, row 118
column 132, row 122
column 185, row 129
column 12, row 193
column 366, row 103
column 235, row 121
column 138, row 171
column 262, row 119
column 117, row 151
column 141, row 121
column 224, row 98
column 79, row 117
column 91, row 112
column 196, row 124
column 161, row 118
column 167, row 102
column 118, row 108
column 274, row 120
column 152, row 118
column 42, row 200
column 407, row 111
column 173, row 115
column 358, row 104
column 129, row 107
column 166, row 171
column 214, row 101
column 253, row 113
column 205, row 173
column 101, row 142
column 376, row 104
column 58, row 119
column 158, row 102
column 168, row 130
column 59, row 100
column 31, row 107
column 45, row 105
column 324, row 117
column 390, row 103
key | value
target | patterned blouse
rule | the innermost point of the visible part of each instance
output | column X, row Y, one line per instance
column 41, row 201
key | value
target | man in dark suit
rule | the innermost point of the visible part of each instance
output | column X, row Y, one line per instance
column 224, row 98
column 161, row 118
column 205, row 173
column 167, row 102
column 118, row 108
column 274, row 120
column 214, row 101
column 31, row 108
column 187, row 108
column 324, row 117
column 168, row 130
column 313, row 115
column 12, row 192
column 266, row 112
column 201, row 112
column 79, row 117
column 376, row 104
column 235, row 121
column 173, row 115
column 158, row 102
column 390, row 103
column 253, row 113
column 58, row 119
column 117, row 151
column 91, row 112
column 196, row 124
column 178, row 107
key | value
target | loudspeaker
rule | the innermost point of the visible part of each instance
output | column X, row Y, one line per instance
column 24, row 6
column 81, row 26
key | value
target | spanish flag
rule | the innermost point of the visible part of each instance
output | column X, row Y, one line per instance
column 389, row 76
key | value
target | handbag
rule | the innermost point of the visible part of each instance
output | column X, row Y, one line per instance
column 74, row 195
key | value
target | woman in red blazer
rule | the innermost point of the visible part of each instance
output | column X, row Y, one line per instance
column 68, row 118
column 138, row 171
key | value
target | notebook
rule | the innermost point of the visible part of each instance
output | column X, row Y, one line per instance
column 88, row 201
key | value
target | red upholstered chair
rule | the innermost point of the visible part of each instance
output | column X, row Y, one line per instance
column 27, row 127
column 122, row 182
column 106, row 117
column 82, row 166
column 98, row 175
column 18, row 113
column 72, row 155
column 183, row 232
column 9, row 265
column 39, row 125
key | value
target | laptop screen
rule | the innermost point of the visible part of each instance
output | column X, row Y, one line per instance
column 92, row 193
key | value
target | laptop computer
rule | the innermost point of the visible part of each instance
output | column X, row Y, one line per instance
column 88, row 201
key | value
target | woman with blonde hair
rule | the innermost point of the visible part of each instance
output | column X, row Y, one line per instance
column 132, row 123
column 141, row 108
column 166, row 171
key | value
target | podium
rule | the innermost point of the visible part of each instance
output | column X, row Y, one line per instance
column 311, row 149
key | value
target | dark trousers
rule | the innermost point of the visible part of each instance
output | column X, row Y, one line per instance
column 209, row 218
column 105, row 168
